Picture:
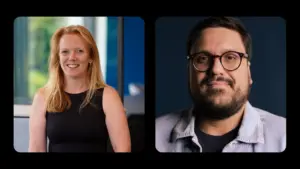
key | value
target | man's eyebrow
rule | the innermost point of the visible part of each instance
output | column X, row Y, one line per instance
column 210, row 53
column 202, row 51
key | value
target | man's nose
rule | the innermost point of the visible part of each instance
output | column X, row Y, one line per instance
column 216, row 67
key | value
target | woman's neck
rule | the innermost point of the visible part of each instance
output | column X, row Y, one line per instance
column 75, row 85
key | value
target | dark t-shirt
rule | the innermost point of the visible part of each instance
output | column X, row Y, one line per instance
column 211, row 143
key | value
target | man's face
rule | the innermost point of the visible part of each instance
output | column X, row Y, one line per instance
column 221, row 90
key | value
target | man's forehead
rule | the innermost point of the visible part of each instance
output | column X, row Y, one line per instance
column 218, row 41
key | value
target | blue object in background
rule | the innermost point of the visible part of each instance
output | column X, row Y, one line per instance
column 133, row 52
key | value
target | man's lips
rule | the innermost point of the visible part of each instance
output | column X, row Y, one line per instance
column 217, row 83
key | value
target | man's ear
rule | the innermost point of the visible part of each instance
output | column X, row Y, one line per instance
column 249, row 74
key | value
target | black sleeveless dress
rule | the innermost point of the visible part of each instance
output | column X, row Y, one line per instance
column 74, row 131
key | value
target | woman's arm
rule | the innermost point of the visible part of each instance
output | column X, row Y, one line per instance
column 37, row 124
column 116, row 120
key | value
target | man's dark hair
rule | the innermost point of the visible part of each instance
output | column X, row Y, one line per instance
column 225, row 22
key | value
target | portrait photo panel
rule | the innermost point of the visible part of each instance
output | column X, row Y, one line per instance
column 79, row 84
column 220, row 84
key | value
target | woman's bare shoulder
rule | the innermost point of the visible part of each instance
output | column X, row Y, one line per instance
column 111, row 97
column 110, row 90
column 39, row 103
column 40, row 94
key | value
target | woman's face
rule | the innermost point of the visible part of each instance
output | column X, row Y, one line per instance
column 74, row 55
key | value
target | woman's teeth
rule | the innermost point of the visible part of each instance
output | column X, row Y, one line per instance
column 73, row 65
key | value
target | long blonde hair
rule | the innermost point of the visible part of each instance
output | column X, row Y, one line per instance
column 56, row 99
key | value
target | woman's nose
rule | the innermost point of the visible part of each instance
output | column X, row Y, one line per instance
column 72, row 56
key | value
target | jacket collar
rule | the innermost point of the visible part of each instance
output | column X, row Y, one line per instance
column 251, row 129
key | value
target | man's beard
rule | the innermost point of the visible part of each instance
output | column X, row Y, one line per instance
column 207, row 108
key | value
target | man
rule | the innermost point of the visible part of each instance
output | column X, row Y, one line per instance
column 222, row 119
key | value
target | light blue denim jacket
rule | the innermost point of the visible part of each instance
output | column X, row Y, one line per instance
column 260, row 131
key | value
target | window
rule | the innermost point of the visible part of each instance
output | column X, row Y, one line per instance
column 31, row 51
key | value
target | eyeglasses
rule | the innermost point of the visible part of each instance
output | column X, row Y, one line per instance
column 230, row 60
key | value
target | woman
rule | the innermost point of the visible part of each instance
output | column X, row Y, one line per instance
column 76, row 110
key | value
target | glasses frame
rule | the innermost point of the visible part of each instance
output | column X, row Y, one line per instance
column 241, row 55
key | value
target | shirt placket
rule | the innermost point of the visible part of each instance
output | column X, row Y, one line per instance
column 196, row 142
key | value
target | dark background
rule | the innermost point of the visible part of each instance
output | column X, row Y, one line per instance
column 268, row 64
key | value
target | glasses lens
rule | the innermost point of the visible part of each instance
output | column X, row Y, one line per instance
column 231, row 60
column 201, row 62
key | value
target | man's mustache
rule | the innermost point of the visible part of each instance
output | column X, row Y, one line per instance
column 206, row 81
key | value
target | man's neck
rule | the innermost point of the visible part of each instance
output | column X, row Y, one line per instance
column 221, row 127
column 77, row 85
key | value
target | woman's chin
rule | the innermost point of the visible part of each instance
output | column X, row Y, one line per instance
column 74, row 75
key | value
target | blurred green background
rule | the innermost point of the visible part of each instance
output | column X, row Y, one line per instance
column 40, row 31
